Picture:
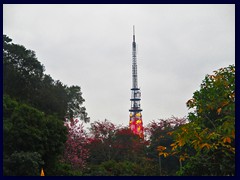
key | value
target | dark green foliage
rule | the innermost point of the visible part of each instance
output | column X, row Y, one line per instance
column 23, row 164
column 34, row 109
column 215, row 99
column 73, row 107
column 160, row 135
column 22, row 72
column 22, row 126
column 64, row 169
column 114, row 168
column 25, row 81
column 28, row 130
column 51, row 97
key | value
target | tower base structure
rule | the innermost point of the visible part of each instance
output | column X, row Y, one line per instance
column 135, row 124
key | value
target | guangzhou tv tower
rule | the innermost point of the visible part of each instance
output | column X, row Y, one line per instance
column 135, row 122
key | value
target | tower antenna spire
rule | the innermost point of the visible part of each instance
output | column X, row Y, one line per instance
column 133, row 33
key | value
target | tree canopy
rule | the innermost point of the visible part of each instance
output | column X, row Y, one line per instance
column 25, row 81
column 207, row 143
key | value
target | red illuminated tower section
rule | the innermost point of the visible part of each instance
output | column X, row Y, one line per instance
column 135, row 122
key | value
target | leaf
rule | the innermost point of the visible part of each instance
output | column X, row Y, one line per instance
column 165, row 154
column 194, row 141
column 209, row 106
column 174, row 146
column 161, row 148
column 227, row 139
column 233, row 134
column 224, row 103
column 219, row 110
column 205, row 145
column 184, row 129
column 160, row 153
column 181, row 158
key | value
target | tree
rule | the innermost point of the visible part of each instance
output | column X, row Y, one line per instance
column 55, row 138
column 127, row 146
column 35, row 107
column 24, row 80
column 76, row 152
column 101, row 137
column 26, row 131
column 74, row 108
column 22, row 72
column 23, row 128
column 216, row 98
column 207, row 143
column 160, row 138
column 23, row 164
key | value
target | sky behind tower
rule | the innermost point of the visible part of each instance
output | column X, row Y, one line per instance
column 90, row 46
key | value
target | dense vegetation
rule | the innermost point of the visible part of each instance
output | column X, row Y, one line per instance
column 34, row 110
column 207, row 143
column 43, row 126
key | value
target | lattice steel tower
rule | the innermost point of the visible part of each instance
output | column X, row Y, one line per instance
column 135, row 122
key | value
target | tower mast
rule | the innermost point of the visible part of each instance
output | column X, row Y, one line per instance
column 135, row 122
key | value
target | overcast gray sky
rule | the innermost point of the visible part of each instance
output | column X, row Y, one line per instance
column 90, row 46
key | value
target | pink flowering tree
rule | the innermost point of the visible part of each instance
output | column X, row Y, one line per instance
column 76, row 152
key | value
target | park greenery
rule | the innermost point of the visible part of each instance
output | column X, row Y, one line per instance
column 43, row 127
